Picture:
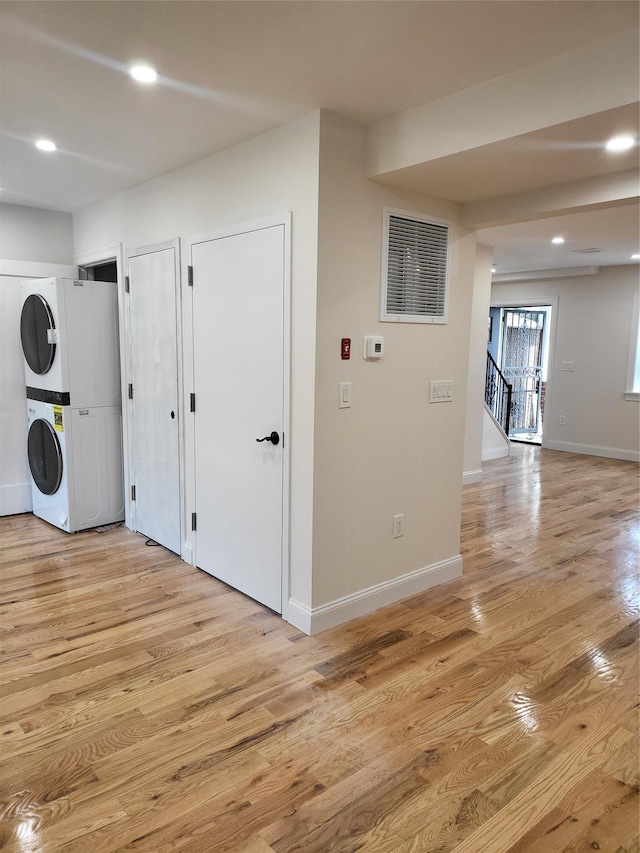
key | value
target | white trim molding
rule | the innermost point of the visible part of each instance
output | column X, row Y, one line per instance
column 35, row 269
column 474, row 476
column 312, row 620
column 15, row 499
column 593, row 450
column 539, row 275
column 495, row 453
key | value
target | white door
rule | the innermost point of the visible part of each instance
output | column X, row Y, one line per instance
column 155, row 449
column 239, row 333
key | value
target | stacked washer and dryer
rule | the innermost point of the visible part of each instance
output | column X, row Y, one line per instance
column 69, row 334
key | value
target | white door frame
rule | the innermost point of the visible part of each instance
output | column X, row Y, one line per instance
column 540, row 302
column 148, row 250
column 231, row 231
column 91, row 258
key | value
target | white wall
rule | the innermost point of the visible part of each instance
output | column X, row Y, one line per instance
column 32, row 234
column 495, row 444
column 268, row 175
column 473, row 431
column 15, row 489
column 392, row 452
column 593, row 330
column 33, row 243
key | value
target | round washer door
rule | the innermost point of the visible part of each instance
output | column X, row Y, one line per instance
column 35, row 321
column 45, row 456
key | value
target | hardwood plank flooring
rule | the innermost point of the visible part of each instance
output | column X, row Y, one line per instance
column 147, row 707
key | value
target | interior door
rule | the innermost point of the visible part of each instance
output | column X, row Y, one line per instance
column 155, row 415
column 239, row 313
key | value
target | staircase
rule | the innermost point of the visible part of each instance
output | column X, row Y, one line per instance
column 497, row 394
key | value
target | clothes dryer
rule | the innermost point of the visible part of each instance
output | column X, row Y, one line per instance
column 75, row 459
column 69, row 334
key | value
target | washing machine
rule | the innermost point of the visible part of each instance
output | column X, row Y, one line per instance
column 75, row 459
column 69, row 334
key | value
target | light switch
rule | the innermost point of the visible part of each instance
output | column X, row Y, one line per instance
column 345, row 395
column 441, row 391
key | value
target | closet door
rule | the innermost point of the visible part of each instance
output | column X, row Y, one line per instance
column 240, row 346
column 153, row 313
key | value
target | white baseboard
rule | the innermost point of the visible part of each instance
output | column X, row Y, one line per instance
column 15, row 499
column 495, row 453
column 594, row 450
column 312, row 620
column 472, row 477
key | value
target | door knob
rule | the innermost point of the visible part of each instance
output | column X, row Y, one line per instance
column 274, row 438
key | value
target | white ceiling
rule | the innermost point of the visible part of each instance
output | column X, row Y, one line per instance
column 570, row 151
column 614, row 231
column 231, row 70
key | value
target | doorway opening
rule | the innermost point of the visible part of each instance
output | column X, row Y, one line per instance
column 521, row 350
column 106, row 264
column 101, row 271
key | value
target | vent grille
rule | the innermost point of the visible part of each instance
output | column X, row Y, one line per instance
column 590, row 251
column 415, row 274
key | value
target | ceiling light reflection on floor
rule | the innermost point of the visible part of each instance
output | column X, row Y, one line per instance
column 602, row 665
column 26, row 837
column 525, row 710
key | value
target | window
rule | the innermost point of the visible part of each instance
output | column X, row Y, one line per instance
column 633, row 375
column 414, row 286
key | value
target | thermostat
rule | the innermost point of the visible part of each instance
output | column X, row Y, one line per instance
column 373, row 347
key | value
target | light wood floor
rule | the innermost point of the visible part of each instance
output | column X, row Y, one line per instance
column 147, row 707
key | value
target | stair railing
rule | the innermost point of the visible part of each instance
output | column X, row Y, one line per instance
column 497, row 394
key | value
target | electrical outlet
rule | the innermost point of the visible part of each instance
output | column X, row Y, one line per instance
column 398, row 525
column 563, row 420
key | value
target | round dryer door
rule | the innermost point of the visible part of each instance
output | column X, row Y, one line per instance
column 36, row 322
column 45, row 456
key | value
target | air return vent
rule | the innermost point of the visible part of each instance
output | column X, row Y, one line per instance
column 414, row 286
column 590, row 251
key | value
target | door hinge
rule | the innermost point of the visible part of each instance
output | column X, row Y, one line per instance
column 192, row 402
column 190, row 276
column 130, row 391
column 133, row 493
column 127, row 284
column 193, row 521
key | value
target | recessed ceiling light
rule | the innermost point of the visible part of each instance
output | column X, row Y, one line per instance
column 558, row 240
column 620, row 143
column 46, row 145
column 144, row 74
column 493, row 269
column 636, row 257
